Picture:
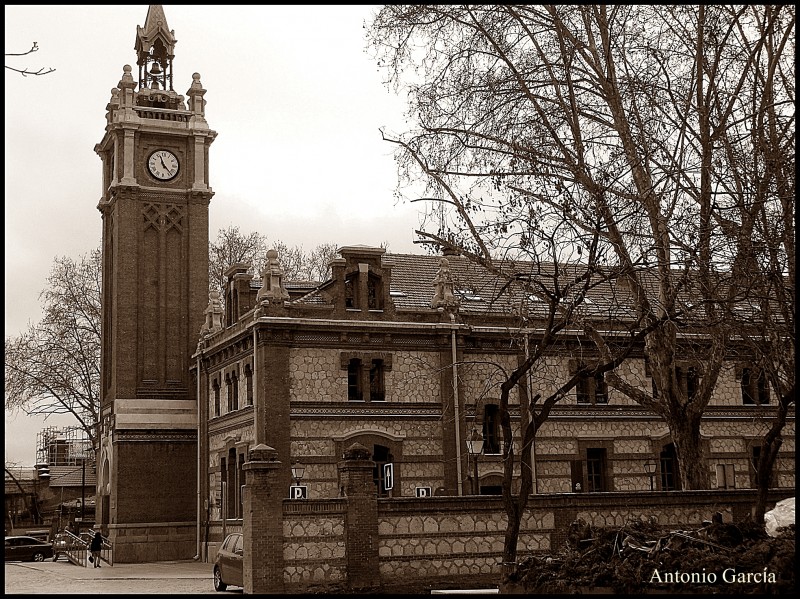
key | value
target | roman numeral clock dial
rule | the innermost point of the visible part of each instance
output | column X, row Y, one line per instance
column 163, row 165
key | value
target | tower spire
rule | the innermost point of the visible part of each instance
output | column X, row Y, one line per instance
column 155, row 50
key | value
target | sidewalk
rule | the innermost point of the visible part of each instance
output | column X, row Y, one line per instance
column 62, row 577
column 143, row 571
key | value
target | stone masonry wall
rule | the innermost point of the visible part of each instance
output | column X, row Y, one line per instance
column 439, row 539
column 314, row 548
column 316, row 375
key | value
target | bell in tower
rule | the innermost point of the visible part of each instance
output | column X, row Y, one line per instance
column 155, row 45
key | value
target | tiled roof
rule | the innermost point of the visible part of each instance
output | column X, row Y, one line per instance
column 482, row 292
column 70, row 476
column 479, row 290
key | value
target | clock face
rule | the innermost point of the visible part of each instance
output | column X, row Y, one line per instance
column 163, row 165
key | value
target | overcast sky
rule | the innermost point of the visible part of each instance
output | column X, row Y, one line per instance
column 297, row 104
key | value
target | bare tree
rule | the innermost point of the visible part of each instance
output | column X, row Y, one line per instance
column 25, row 72
column 622, row 118
column 318, row 261
column 53, row 367
column 231, row 247
column 631, row 122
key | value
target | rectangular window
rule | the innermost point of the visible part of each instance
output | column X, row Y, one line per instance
column 491, row 429
column 354, row 380
column 725, row 476
column 669, row 481
column 377, row 392
column 687, row 379
column 600, row 389
column 215, row 384
column 755, row 390
column 583, row 390
column 592, row 389
column 595, row 470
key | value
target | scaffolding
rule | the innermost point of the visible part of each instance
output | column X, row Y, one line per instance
column 66, row 446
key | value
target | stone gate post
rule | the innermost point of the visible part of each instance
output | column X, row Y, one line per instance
column 263, row 522
column 361, row 521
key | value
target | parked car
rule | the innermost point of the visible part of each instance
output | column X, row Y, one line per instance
column 27, row 549
column 229, row 563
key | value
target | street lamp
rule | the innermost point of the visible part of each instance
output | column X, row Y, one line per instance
column 650, row 467
column 297, row 472
column 475, row 447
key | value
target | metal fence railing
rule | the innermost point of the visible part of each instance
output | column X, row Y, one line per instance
column 76, row 548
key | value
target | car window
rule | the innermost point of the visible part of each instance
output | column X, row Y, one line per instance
column 238, row 547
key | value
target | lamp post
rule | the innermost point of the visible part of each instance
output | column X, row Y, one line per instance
column 650, row 467
column 475, row 447
column 297, row 472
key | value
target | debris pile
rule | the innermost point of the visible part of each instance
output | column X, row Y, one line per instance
column 642, row 557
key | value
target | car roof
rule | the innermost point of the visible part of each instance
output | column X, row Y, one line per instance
column 25, row 537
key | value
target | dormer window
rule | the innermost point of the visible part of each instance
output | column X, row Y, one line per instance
column 374, row 293
column 351, row 292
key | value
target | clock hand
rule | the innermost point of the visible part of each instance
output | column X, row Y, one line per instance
column 161, row 158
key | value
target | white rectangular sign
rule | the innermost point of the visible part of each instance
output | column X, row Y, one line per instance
column 388, row 476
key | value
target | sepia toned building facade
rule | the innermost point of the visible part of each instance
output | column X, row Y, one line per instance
column 401, row 354
column 404, row 354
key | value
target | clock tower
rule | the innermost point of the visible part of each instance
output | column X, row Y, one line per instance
column 154, row 206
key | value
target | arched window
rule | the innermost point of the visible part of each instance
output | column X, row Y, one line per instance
column 215, row 386
column 248, row 377
column 235, row 391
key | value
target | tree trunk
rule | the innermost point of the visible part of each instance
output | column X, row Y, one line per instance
column 510, row 542
column 692, row 465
